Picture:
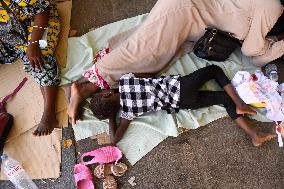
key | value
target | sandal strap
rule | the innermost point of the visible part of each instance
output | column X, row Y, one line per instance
column 100, row 171
column 118, row 173
column 109, row 183
column 82, row 176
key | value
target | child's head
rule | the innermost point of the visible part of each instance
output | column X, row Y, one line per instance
column 105, row 104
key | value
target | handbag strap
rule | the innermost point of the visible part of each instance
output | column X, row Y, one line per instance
column 8, row 97
column 6, row 7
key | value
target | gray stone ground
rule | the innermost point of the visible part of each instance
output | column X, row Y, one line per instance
column 218, row 155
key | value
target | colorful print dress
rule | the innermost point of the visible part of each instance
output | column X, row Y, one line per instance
column 24, row 11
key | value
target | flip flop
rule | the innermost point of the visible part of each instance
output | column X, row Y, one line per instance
column 102, row 155
column 83, row 177
column 104, row 170
column 118, row 169
column 109, row 183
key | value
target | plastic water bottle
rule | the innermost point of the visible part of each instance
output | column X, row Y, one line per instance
column 16, row 173
column 271, row 72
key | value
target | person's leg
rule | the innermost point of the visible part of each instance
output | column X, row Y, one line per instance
column 241, row 107
column 195, row 80
column 48, row 119
column 257, row 137
column 209, row 98
column 48, row 80
column 79, row 92
column 67, row 88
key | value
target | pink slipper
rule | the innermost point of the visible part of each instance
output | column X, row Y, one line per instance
column 83, row 177
column 102, row 155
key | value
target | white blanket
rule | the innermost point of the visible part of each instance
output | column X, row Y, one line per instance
column 149, row 130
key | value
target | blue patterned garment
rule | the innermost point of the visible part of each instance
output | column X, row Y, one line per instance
column 24, row 11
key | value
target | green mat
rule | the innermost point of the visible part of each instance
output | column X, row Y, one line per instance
column 149, row 130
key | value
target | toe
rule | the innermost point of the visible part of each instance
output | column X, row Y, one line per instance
column 35, row 133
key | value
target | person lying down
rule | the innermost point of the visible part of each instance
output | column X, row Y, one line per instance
column 137, row 96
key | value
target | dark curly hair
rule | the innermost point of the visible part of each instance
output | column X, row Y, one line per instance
column 101, row 107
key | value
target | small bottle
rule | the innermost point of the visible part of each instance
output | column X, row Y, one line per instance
column 271, row 72
column 16, row 173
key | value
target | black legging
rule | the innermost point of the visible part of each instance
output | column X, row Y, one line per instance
column 192, row 98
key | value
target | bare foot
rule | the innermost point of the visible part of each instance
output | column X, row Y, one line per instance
column 80, row 91
column 67, row 87
column 245, row 109
column 46, row 125
column 261, row 138
column 75, row 102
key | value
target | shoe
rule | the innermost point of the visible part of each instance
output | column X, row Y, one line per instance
column 83, row 177
column 102, row 155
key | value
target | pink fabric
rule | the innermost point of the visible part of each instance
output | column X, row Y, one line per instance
column 83, row 177
column 102, row 155
column 92, row 74
column 171, row 23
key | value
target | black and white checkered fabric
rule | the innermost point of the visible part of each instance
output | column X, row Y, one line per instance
column 140, row 95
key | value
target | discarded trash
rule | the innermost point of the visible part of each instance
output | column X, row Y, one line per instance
column 271, row 72
column 17, row 174
column 67, row 143
column 131, row 181
column 279, row 135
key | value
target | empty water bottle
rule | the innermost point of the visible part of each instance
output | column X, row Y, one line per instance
column 271, row 72
column 16, row 173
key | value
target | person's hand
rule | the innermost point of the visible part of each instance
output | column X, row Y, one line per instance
column 34, row 56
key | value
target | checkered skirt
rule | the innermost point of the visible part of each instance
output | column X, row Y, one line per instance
column 141, row 95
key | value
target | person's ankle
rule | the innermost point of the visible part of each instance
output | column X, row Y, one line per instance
column 49, row 112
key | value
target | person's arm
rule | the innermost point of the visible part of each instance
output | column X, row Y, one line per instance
column 124, row 123
column 112, row 127
column 34, row 54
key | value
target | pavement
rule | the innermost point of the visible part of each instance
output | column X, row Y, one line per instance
column 218, row 155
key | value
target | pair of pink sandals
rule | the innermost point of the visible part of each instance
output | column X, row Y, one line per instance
column 82, row 174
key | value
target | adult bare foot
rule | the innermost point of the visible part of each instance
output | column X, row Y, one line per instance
column 47, row 124
column 261, row 138
column 245, row 109
column 75, row 101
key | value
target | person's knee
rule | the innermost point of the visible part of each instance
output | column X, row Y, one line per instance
column 215, row 68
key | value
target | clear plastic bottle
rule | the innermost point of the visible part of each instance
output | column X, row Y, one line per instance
column 271, row 72
column 16, row 173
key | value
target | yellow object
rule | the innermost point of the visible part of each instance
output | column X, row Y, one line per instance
column 258, row 104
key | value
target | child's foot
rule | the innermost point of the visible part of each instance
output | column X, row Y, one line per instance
column 75, row 102
column 245, row 109
column 261, row 138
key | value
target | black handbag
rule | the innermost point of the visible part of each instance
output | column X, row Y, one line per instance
column 215, row 45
